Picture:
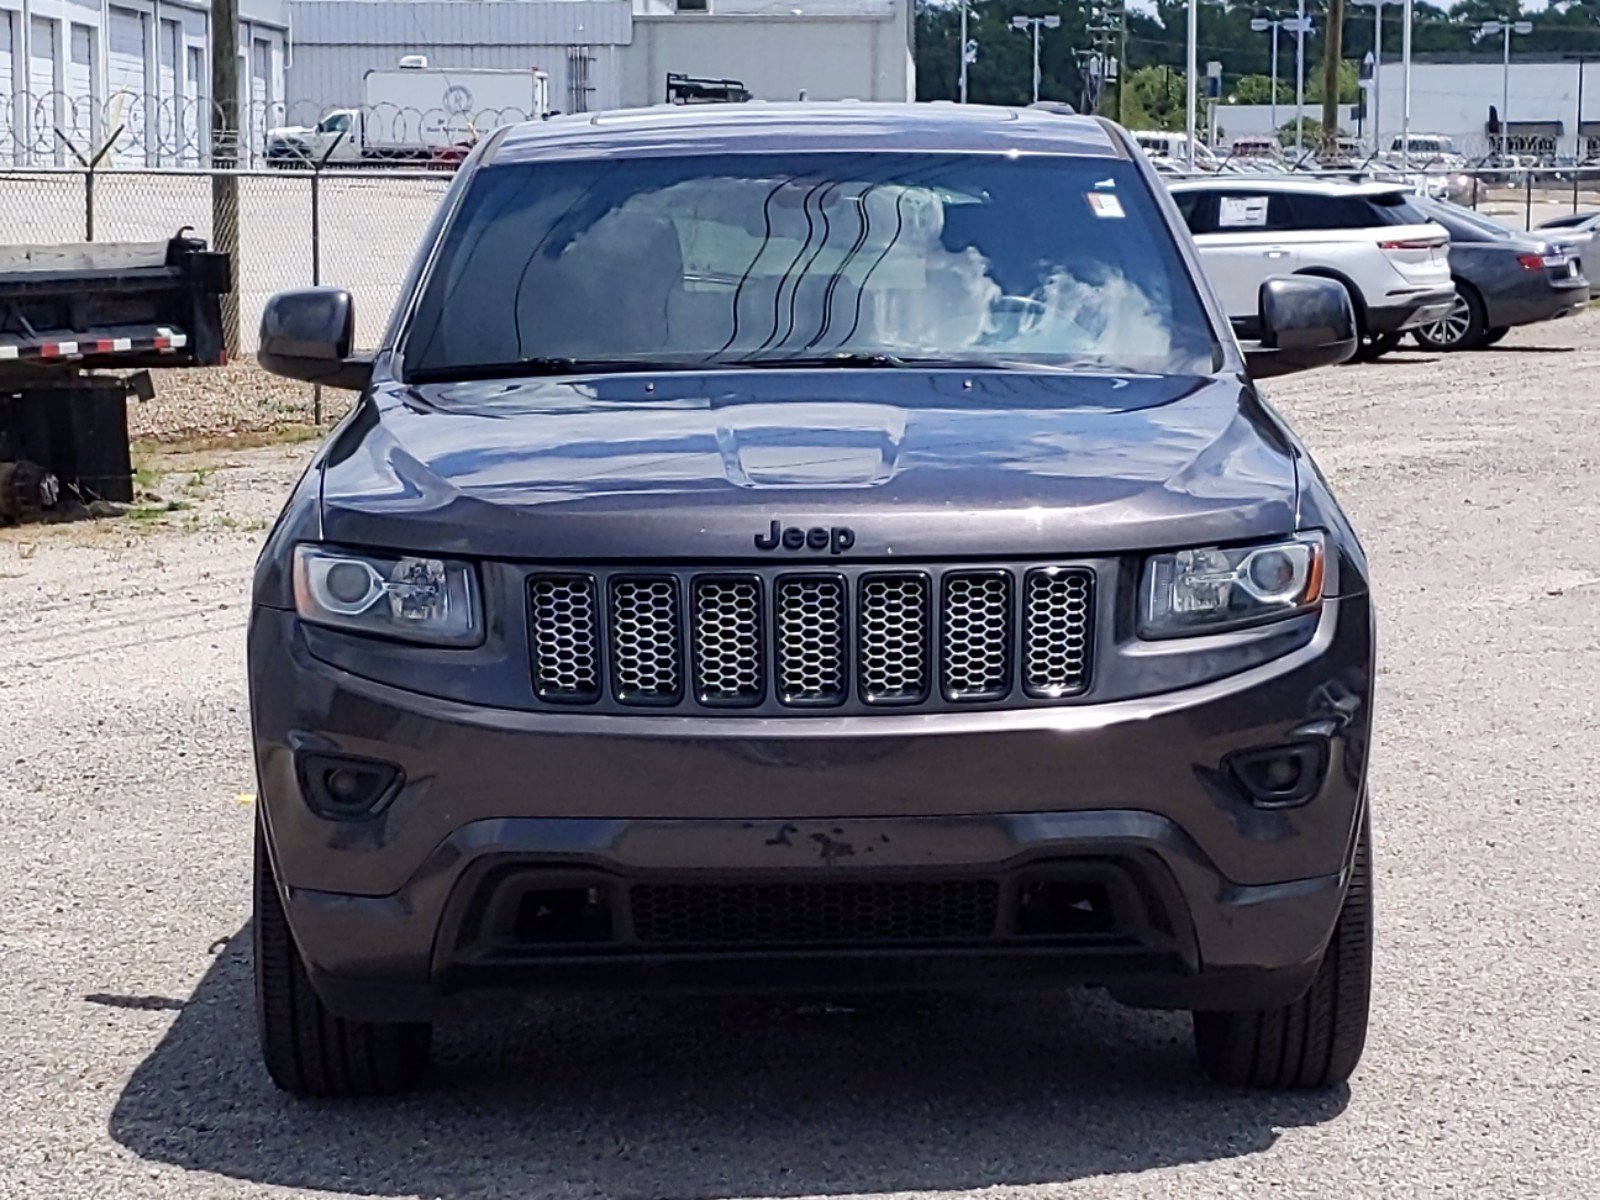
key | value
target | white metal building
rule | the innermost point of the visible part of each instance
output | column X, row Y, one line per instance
column 610, row 53
column 1454, row 98
column 86, row 68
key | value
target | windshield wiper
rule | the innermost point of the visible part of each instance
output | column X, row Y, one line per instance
column 530, row 367
column 851, row 359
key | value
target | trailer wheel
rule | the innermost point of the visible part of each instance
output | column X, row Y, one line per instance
column 26, row 490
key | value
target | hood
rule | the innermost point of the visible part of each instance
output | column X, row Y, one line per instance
column 927, row 464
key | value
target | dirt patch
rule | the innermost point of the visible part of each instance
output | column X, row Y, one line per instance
column 211, row 404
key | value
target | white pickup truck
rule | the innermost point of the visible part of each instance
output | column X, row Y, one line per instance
column 414, row 113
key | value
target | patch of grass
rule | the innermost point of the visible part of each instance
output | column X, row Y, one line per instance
column 198, row 478
column 154, row 512
column 145, row 477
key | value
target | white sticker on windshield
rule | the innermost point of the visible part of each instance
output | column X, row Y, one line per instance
column 1242, row 212
column 1104, row 204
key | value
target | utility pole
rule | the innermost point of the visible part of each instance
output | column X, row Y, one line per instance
column 1107, row 30
column 225, row 141
column 1332, row 52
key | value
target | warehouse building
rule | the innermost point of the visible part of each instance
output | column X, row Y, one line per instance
column 77, row 73
column 1465, row 101
column 604, row 54
column 86, row 69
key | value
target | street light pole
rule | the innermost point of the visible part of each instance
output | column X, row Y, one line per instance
column 1405, row 86
column 1192, row 54
column 1036, row 24
column 1506, row 27
column 966, row 52
column 1273, row 21
column 1377, row 71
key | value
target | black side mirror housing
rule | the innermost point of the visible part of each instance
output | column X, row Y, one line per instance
column 306, row 335
column 1306, row 322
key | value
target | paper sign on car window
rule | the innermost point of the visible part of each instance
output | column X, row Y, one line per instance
column 1242, row 212
column 1104, row 204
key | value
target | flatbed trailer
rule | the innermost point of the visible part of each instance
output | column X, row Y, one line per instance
column 81, row 325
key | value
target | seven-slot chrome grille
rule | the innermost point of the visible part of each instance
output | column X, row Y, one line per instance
column 798, row 640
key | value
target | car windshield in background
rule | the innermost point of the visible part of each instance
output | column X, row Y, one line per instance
column 743, row 261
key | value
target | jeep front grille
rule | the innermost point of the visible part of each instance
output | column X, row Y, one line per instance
column 811, row 632
column 775, row 641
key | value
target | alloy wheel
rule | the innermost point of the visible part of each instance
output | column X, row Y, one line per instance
column 1453, row 326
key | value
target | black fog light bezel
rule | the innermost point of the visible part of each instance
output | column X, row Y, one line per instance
column 379, row 782
column 1247, row 769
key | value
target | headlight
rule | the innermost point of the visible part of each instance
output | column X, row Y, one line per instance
column 1220, row 587
column 418, row 599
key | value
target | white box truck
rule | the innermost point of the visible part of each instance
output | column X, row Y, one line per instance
column 415, row 113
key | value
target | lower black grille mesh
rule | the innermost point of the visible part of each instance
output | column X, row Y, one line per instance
column 832, row 913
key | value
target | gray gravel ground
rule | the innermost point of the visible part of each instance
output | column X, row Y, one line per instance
column 126, row 1044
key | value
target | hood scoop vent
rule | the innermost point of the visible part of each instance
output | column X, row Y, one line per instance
column 830, row 445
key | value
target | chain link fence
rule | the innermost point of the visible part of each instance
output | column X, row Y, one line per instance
column 357, row 229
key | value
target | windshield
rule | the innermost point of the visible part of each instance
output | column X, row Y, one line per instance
column 1463, row 221
column 764, row 260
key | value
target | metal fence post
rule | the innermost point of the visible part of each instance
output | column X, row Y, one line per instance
column 88, row 205
column 316, row 268
column 1527, row 198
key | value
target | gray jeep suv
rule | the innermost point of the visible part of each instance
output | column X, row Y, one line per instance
column 814, row 547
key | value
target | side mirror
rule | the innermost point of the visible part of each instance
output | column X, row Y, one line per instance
column 1305, row 322
column 306, row 335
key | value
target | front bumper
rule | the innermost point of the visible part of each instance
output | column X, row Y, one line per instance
column 1210, row 900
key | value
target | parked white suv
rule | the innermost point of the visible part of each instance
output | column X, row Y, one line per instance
column 1368, row 236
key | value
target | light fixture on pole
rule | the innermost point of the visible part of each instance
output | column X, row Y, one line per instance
column 1505, row 26
column 1024, row 24
column 1377, row 69
column 1273, row 21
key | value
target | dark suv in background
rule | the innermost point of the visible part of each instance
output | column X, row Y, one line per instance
column 811, row 547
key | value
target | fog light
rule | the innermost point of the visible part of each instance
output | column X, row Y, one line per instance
column 346, row 789
column 1280, row 776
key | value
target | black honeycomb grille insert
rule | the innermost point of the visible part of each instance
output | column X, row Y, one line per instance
column 854, row 639
column 566, row 637
column 873, row 912
column 728, row 658
column 645, row 640
column 1058, row 615
column 811, row 639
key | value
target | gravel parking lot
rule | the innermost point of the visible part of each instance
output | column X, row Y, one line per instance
column 126, row 1035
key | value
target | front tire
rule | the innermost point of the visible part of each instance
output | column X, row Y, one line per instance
column 1375, row 345
column 309, row 1051
column 1315, row 1041
column 1464, row 327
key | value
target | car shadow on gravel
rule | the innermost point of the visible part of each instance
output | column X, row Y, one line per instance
column 690, row 1097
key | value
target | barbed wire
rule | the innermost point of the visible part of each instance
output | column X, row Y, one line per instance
column 138, row 129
